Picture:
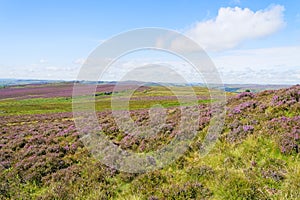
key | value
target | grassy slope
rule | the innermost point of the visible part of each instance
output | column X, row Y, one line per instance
column 256, row 156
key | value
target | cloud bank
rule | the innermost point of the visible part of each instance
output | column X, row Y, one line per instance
column 278, row 65
column 232, row 26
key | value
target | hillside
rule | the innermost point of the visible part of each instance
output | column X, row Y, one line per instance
column 256, row 156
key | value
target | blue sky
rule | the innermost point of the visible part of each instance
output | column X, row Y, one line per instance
column 50, row 39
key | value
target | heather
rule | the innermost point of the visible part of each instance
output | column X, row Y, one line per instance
column 53, row 90
column 255, row 157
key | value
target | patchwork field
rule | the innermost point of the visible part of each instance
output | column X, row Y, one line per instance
column 255, row 157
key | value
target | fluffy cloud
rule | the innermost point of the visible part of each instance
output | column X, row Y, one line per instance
column 278, row 65
column 235, row 25
column 235, row 2
column 278, row 58
column 262, row 76
column 43, row 61
column 79, row 61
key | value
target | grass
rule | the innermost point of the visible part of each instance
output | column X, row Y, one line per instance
column 102, row 102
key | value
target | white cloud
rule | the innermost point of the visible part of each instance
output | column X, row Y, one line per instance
column 232, row 26
column 79, row 61
column 43, row 61
column 235, row 2
column 35, row 71
column 262, row 76
column 52, row 68
column 280, row 65
column 273, row 58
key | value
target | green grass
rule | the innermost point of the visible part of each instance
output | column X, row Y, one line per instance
column 35, row 106
column 102, row 102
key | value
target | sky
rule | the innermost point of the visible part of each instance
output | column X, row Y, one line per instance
column 249, row 41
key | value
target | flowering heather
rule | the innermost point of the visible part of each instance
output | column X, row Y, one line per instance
column 256, row 156
column 289, row 97
column 245, row 94
column 239, row 108
column 55, row 90
column 247, row 128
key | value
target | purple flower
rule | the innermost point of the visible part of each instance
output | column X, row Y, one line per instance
column 29, row 147
column 245, row 94
column 73, row 146
column 67, row 148
column 296, row 136
column 236, row 110
column 275, row 98
column 247, row 128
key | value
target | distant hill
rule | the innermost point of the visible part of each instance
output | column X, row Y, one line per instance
column 236, row 88
column 10, row 82
column 252, row 87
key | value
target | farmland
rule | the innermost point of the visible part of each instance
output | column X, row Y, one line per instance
column 255, row 157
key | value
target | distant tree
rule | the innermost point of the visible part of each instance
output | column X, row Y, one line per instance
column 247, row 90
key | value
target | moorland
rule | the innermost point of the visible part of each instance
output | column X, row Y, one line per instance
column 255, row 157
